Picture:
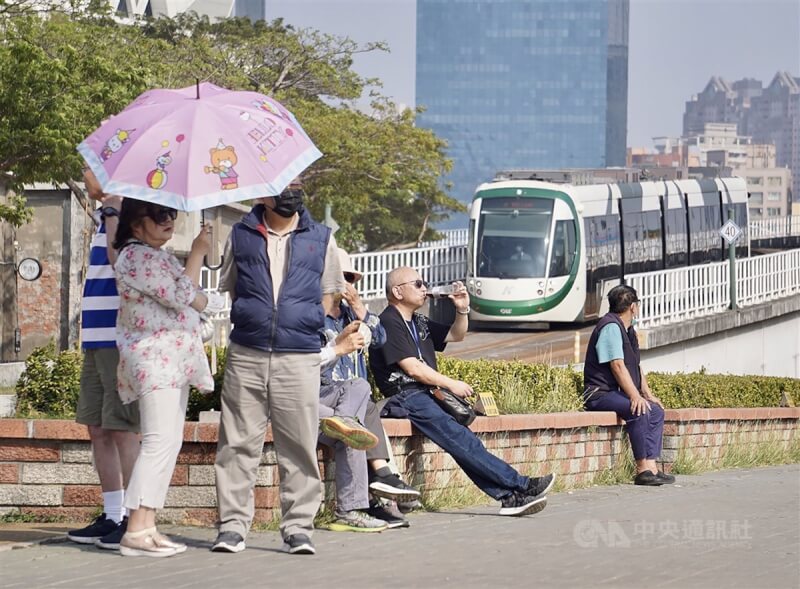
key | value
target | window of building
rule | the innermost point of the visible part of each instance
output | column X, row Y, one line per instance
column 773, row 212
column 774, row 181
column 774, row 196
column 756, row 196
column 755, row 181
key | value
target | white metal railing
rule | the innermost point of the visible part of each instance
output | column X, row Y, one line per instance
column 437, row 264
column 775, row 227
column 449, row 237
column 764, row 278
column 682, row 294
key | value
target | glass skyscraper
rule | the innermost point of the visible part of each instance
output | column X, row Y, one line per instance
column 523, row 84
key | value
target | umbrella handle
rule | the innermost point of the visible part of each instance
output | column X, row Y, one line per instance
column 203, row 218
column 217, row 266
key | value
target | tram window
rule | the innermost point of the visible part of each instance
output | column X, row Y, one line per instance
column 653, row 249
column 563, row 249
column 513, row 237
column 633, row 227
column 675, row 221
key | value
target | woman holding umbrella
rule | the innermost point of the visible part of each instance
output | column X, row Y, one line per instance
column 161, row 355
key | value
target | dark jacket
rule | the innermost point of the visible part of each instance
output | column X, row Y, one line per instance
column 598, row 378
column 293, row 324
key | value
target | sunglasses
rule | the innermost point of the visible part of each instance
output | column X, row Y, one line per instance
column 162, row 215
column 418, row 283
column 349, row 277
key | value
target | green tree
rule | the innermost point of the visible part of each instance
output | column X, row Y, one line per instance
column 380, row 173
column 62, row 75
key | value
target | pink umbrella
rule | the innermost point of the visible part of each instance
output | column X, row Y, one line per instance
column 199, row 147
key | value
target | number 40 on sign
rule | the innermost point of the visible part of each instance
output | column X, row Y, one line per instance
column 730, row 232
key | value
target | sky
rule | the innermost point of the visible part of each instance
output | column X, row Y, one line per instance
column 675, row 47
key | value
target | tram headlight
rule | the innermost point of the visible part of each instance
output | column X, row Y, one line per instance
column 478, row 284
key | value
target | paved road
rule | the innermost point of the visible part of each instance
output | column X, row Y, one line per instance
column 727, row 529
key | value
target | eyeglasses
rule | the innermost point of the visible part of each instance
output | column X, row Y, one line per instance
column 418, row 283
column 349, row 277
column 162, row 215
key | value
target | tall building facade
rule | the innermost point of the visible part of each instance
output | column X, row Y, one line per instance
column 769, row 115
column 774, row 117
column 523, row 84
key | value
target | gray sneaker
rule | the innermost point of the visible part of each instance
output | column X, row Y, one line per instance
column 356, row 521
column 228, row 542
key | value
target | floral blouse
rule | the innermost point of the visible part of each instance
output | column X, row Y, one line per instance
column 158, row 333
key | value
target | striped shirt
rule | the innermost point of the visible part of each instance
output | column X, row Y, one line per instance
column 100, row 301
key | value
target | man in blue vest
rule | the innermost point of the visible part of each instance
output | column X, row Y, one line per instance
column 279, row 266
column 614, row 381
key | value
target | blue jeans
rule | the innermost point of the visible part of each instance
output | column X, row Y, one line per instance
column 644, row 431
column 492, row 475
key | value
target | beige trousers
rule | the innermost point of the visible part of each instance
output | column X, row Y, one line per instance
column 282, row 387
column 162, row 415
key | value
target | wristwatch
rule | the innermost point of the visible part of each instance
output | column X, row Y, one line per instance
column 106, row 212
column 465, row 311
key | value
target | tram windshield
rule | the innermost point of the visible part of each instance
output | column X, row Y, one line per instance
column 513, row 236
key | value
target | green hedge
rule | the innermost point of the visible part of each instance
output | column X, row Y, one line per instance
column 519, row 387
column 698, row 389
column 50, row 386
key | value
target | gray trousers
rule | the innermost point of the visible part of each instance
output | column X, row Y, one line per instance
column 347, row 398
column 372, row 421
column 282, row 387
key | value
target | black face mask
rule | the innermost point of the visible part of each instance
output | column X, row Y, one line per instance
column 289, row 202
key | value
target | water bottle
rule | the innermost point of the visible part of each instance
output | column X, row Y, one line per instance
column 440, row 292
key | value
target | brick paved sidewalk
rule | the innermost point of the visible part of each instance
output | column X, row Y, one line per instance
column 727, row 529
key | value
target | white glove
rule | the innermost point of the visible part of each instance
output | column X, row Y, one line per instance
column 216, row 303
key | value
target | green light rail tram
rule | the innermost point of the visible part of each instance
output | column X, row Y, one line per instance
column 544, row 253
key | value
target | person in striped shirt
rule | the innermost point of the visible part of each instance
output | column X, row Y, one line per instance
column 113, row 427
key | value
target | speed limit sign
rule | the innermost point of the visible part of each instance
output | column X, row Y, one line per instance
column 730, row 231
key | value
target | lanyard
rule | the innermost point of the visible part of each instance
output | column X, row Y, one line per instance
column 414, row 336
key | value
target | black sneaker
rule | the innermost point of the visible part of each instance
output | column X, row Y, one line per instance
column 298, row 544
column 668, row 479
column 408, row 506
column 111, row 541
column 648, row 479
column 521, row 504
column 539, row 486
column 228, row 542
column 388, row 513
column 100, row 527
column 392, row 487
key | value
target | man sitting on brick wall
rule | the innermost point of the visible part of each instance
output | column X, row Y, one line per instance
column 405, row 370
column 350, row 328
column 614, row 381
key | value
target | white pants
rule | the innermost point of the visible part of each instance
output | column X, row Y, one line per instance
column 162, row 414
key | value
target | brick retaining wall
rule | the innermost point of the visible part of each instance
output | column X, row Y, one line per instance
column 46, row 465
